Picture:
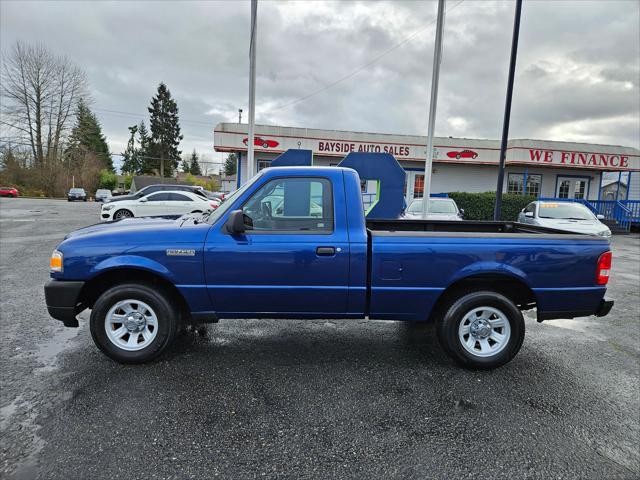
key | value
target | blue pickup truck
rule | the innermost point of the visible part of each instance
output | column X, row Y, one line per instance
column 294, row 243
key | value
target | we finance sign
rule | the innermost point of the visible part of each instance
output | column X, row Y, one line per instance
column 600, row 161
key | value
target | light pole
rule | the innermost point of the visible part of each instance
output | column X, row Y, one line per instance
column 239, row 115
column 507, row 111
column 435, row 78
column 252, row 89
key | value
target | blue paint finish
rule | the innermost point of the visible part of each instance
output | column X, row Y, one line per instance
column 386, row 169
column 274, row 274
column 294, row 158
column 239, row 171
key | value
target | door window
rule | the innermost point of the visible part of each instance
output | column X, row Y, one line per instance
column 291, row 205
column 178, row 197
column 418, row 186
column 563, row 189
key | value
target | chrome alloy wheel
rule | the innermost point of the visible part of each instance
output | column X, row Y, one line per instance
column 120, row 214
column 131, row 325
column 484, row 331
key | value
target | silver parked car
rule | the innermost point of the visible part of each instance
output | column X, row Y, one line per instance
column 568, row 216
column 102, row 195
column 439, row 209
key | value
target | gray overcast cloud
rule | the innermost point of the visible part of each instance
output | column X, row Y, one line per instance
column 577, row 77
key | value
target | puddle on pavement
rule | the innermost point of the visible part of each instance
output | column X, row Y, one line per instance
column 7, row 412
column 48, row 351
column 578, row 325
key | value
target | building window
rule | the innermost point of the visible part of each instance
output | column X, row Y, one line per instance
column 262, row 164
column 515, row 184
column 563, row 190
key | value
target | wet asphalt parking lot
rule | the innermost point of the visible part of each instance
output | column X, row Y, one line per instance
column 307, row 399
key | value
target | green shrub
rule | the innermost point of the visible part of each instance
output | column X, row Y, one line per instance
column 107, row 180
column 479, row 206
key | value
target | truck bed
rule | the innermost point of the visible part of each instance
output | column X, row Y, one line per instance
column 467, row 226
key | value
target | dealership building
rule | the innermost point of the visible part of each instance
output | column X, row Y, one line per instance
column 538, row 167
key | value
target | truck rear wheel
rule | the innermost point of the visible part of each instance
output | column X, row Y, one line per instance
column 133, row 323
column 481, row 330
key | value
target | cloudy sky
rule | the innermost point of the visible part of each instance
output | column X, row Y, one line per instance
column 363, row 66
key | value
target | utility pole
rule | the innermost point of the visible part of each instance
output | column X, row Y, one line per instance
column 252, row 89
column 507, row 111
column 435, row 78
column 239, row 115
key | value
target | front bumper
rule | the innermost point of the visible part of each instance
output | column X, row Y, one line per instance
column 62, row 298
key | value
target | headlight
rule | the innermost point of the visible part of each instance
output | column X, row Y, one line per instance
column 55, row 263
column 107, row 207
column 605, row 233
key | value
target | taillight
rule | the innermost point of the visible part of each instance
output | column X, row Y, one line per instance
column 603, row 269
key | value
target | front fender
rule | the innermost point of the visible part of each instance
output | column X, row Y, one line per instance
column 132, row 261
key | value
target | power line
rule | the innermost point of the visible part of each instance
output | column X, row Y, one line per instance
column 137, row 115
column 4, row 143
column 362, row 67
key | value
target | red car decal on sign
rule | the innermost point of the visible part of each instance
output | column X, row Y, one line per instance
column 262, row 142
column 462, row 154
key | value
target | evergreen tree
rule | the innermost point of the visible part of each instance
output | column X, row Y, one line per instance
column 87, row 138
column 148, row 164
column 165, row 131
column 230, row 164
column 131, row 162
column 195, row 169
column 185, row 165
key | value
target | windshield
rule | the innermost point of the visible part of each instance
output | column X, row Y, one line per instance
column 573, row 211
column 77, row 190
column 435, row 206
column 222, row 209
column 103, row 192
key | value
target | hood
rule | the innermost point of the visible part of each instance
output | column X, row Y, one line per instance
column 120, row 198
column 141, row 231
column 592, row 227
column 432, row 216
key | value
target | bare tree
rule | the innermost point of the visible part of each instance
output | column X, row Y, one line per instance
column 39, row 94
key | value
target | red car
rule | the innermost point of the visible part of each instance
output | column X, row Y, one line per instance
column 462, row 154
column 262, row 142
column 8, row 192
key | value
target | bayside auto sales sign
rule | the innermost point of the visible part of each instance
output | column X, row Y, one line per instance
column 348, row 147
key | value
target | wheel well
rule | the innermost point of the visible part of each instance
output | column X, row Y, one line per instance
column 514, row 289
column 102, row 282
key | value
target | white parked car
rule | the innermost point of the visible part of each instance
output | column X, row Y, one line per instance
column 568, row 216
column 439, row 209
column 156, row 205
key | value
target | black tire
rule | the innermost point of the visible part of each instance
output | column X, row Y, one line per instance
column 122, row 213
column 448, row 327
column 167, row 315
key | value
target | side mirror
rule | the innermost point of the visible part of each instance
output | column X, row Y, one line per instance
column 235, row 223
column 528, row 214
column 600, row 216
column 461, row 212
column 143, row 199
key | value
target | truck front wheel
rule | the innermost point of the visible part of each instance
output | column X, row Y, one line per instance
column 481, row 330
column 133, row 323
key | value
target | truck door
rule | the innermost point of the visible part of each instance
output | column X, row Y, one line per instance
column 293, row 258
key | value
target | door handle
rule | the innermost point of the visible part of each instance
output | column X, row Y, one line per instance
column 325, row 251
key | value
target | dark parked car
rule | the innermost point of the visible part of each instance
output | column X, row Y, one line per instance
column 8, row 192
column 162, row 187
column 77, row 194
